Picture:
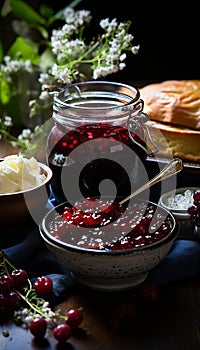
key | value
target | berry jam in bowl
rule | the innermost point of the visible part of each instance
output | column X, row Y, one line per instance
column 106, row 245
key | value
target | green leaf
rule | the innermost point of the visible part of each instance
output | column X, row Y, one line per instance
column 4, row 92
column 26, row 49
column 42, row 30
column 46, row 11
column 6, row 8
column 47, row 59
column 23, row 11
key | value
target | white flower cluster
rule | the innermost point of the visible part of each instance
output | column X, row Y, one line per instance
column 23, row 139
column 6, row 120
column 5, row 124
column 12, row 66
column 69, row 56
column 105, row 56
column 26, row 316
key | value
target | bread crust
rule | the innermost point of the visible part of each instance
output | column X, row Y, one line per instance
column 174, row 141
column 174, row 102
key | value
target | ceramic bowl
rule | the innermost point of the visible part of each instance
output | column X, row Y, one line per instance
column 107, row 269
column 22, row 210
column 180, row 211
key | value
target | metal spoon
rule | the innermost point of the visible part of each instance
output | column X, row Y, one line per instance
column 172, row 168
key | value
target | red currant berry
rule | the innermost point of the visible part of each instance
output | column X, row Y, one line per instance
column 4, row 300
column 192, row 210
column 20, row 278
column 196, row 198
column 5, row 310
column 38, row 327
column 74, row 318
column 62, row 332
column 43, row 286
column 14, row 300
column 6, row 284
column 149, row 292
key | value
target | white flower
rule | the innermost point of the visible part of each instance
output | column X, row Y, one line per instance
column 122, row 66
column 43, row 78
column 25, row 134
column 122, row 57
column 44, row 96
column 61, row 74
column 7, row 120
column 109, row 26
column 135, row 49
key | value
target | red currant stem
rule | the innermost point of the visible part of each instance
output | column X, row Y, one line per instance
column 33, row 306
column 5, row 262
column 65, row 318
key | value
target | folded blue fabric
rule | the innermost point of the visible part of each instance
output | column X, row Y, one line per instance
column 182, row 261
column 31, row 254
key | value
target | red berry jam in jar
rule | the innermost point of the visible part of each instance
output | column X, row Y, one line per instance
column 107, row 225
column 97, row 139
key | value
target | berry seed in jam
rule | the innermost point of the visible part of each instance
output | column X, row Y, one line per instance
column 106, row 225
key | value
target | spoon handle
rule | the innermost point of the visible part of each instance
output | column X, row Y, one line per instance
column 172, row 168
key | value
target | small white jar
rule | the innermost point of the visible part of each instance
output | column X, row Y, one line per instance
column 177, row 202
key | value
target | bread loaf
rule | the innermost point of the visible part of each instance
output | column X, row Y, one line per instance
column 173, row 108
column 175, row 102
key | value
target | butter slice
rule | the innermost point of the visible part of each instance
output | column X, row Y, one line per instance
column 18, row 173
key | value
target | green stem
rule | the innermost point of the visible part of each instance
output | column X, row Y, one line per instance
column 12, row 138
column 33, row 306
column 82, row 59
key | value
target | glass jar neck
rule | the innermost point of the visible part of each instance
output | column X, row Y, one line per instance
column 95, row 101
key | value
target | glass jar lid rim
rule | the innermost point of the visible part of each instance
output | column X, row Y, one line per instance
column 119, row 93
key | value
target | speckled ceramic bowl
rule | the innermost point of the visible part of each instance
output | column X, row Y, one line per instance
column 22, row 210
column 107, row 270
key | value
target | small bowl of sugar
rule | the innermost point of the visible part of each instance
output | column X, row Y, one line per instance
column 177, row 202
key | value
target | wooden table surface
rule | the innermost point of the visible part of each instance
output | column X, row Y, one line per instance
column 173, row 323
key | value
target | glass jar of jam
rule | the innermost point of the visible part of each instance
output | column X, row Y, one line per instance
column 97, row 142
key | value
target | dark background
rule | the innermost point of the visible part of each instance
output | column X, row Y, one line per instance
column 168, row 35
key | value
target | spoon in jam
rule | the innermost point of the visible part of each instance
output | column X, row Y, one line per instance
column 172, row 168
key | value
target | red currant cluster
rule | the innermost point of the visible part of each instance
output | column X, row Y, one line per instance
column 62, row 331
column 27, row 304
column 194, row 210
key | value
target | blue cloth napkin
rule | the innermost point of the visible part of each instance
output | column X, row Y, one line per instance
column 182, row 261
column 31, row 254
